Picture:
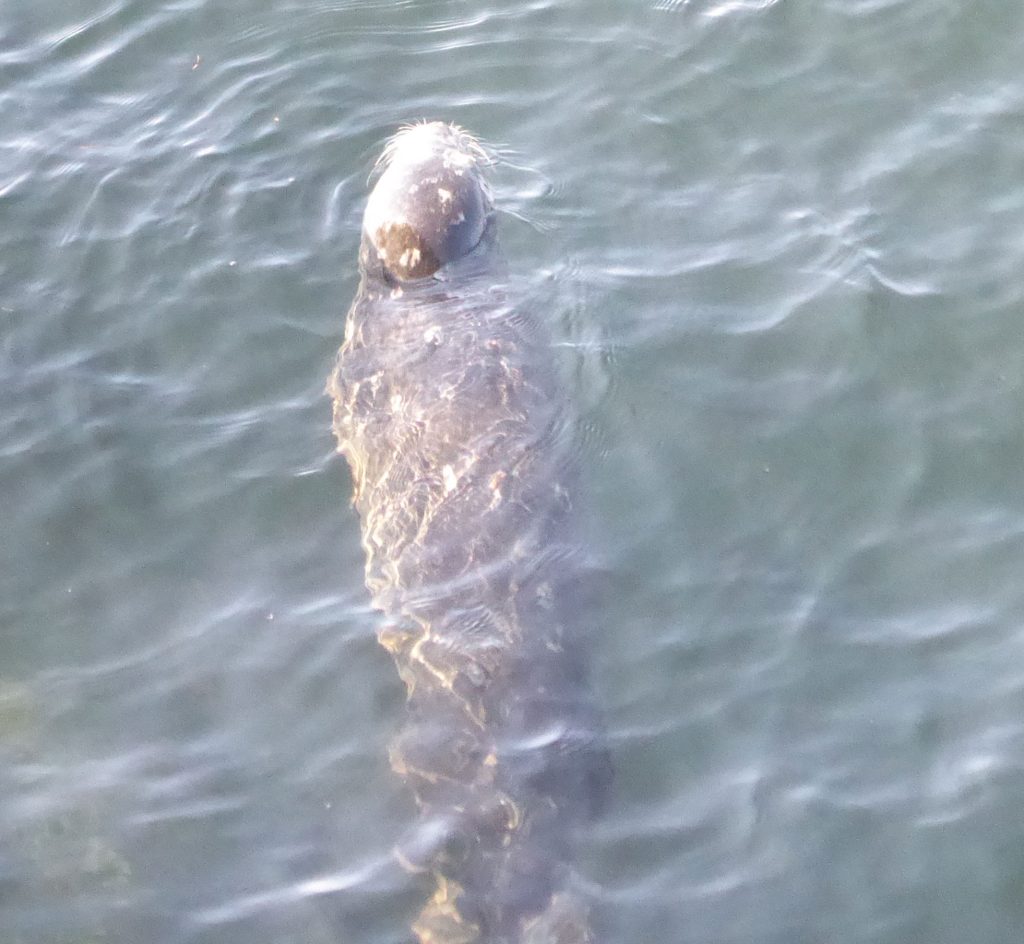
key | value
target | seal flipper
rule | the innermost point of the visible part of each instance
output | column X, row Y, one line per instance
column 564, row 921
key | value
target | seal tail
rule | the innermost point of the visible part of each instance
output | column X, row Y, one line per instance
column 565, row 920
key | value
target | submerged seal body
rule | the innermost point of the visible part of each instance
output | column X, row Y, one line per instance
column 449, row 409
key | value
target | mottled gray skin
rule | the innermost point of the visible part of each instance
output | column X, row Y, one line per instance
column 449, row 409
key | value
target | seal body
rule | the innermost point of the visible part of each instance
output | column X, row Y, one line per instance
column 458, row 431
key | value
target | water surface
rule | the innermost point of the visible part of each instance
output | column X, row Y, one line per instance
column 779, row 245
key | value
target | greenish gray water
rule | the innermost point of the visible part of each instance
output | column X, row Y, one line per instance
column 780, row 245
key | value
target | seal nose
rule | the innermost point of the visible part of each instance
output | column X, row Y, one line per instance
column 406, row 249
column 431, row 204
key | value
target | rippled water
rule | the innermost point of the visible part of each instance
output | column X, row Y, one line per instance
column 780, row 246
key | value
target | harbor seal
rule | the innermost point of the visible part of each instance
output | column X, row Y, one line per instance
column 457, row 429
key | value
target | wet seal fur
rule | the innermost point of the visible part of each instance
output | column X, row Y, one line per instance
column 458, row 431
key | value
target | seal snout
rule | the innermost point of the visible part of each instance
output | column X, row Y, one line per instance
column 431, row 205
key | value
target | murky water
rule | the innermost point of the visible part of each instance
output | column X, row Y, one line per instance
column 779, row 246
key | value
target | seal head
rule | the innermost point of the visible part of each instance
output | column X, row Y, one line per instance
column 431, row 204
